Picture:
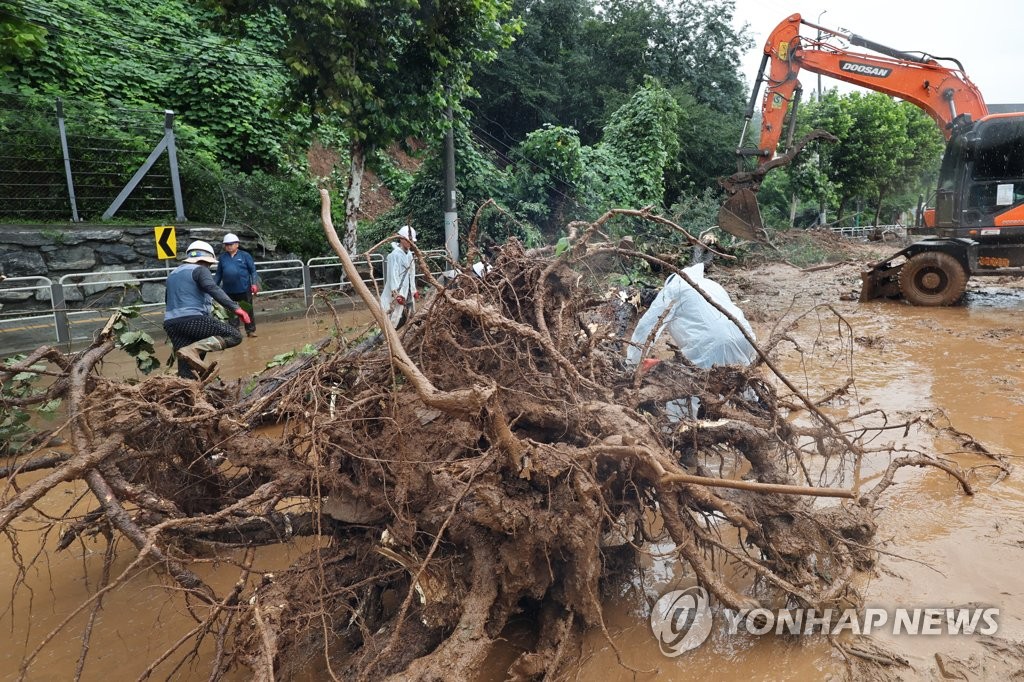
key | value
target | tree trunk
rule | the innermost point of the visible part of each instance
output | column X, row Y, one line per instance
column 876, row 233
column 352, row 198
column 792, row 210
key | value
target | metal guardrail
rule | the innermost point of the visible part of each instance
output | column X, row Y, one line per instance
column 86, row 283
column 78, row 286
column 371, row 267
column 866, row 231
column 42, row 289
column 329, row 267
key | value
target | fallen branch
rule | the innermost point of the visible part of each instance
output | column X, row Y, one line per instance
column 754, row 486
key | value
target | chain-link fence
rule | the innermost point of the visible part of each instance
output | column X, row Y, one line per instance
column 72, row 160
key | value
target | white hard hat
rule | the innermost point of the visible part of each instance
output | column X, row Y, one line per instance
column 200, row 252
column 407, row 232
column 231, row 238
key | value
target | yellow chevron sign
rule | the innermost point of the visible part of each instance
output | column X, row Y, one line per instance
column 166, row 242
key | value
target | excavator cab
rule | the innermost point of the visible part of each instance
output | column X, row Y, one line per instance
column 983, row 173
column 978, row 221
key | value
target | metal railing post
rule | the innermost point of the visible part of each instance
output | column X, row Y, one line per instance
column 60, row 312
column 307, row 284
column 172, row 160
column 67, row 160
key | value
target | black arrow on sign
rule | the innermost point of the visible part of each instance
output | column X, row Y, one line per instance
column 164, row 243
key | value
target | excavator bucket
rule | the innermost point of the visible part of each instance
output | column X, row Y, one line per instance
column 740, row 215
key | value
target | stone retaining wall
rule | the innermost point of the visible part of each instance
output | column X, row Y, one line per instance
column 56, row 250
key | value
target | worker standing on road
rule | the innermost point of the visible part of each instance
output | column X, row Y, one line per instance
column 236, row 274
column 188, row 321
column 399, row 296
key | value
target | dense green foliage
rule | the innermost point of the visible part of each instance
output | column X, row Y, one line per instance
column 887, row 154
column 551, row 179
column 562, row 110
column 578, row 62
column 117, row 66
column 480, row 179
column 388, row 69
column 144, row 54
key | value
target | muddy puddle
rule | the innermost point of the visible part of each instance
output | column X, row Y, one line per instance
column 963, row 366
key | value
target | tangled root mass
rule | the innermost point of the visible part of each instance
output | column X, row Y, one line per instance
column 495, row 457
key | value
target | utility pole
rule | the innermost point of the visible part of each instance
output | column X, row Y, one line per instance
column 451, row 216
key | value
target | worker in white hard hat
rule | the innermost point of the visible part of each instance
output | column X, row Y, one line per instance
column 188, row 321
column 399, row 295
column 236, row 275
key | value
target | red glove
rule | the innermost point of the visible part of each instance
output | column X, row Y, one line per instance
column 254, row 289
column 244, row 316
column 648, row 364
column 416, row 295
column 400, row 300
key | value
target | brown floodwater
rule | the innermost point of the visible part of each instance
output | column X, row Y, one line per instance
column 964, row 366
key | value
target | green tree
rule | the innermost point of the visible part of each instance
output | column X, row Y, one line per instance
column 887, row 152
column 884, row 152
column 530, row 83
column 421, row 205
column 707, row 146
column 387, row 68
column 645, row 133
column 920, row 169
column 578, row 61
column 547, row 176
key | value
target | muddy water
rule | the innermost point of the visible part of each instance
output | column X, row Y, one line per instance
column 946, row 549
column 142, row 620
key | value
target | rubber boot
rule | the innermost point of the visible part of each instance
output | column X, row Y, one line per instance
column 193, row 354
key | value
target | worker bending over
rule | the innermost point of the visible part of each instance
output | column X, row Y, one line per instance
column 188, row 318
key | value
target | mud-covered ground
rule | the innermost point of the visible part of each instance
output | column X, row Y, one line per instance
column 963, row 366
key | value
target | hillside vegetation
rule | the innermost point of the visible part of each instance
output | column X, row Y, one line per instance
column 561, row 110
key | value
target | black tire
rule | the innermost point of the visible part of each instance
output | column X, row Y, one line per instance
column 932, row 278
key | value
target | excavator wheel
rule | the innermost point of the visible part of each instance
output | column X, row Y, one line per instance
column 932, row 278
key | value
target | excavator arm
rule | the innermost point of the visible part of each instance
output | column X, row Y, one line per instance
column 944, row 92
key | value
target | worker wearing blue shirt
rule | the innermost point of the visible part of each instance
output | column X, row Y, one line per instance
column 236, row 274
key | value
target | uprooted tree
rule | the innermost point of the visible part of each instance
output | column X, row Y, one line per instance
column 496, row 456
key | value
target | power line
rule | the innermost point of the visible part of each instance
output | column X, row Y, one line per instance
column 535, row 165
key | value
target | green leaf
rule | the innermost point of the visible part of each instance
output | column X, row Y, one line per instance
column 561, row 246
column 50, row 406
column 129, row 338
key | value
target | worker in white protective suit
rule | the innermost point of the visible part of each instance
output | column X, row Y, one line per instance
column 704, row 335
column 399, row 295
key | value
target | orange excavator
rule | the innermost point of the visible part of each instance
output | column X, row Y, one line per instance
column 977, row 225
